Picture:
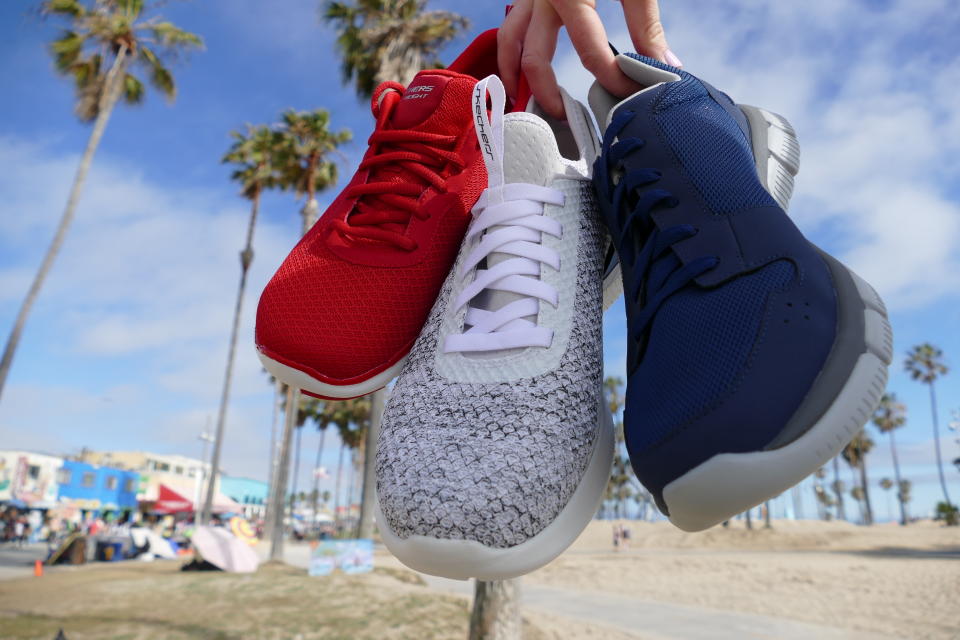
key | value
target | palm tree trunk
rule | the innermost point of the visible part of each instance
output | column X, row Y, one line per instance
column 896, row 474
column 841, row 510
column 279, row 486
column 310, row 213
column 316, row 478
column 246, row 257
column 273, row 429
column 336, row 491
column 108, row 101
column 749, row 520
column 853, row 484
column 368, row 494
column 296, row 462
column 936, row 441
column 353, row 476
column 866, row 489
column 496, row 610
column 766, row 515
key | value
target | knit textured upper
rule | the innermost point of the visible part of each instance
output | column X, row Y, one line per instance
column 496, row 462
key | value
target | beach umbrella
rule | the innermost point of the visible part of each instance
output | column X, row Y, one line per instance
column 242, row 530
column 224, row 550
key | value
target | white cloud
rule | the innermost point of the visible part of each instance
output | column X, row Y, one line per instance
column 143, row 292
column 879, row 125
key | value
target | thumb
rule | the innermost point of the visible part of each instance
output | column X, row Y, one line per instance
column 646, row 30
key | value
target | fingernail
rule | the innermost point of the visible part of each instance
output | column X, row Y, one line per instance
column 671, row 59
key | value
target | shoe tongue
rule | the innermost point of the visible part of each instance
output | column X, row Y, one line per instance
column 530, row 156
column 436, row 100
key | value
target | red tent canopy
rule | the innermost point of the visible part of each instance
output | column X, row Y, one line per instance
column 169, row 501
column 172, row 501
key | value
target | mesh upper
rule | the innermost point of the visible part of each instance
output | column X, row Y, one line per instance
column 340, row 319
column 716, row 154
column 698, row 346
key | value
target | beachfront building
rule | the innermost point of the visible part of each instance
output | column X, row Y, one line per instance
column 169, row 483
column 28, row 480
column 92, row 490
column 251, row 494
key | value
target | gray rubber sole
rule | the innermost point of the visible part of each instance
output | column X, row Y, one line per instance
column 841, row 399
column 830, row 416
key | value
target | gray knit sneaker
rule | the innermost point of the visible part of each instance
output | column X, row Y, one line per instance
column 496, row 443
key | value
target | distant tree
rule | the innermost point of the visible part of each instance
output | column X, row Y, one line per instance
column 887, row 484
column 890, row 416
column 855, row 454
column 303, row 150
column 838, row 488
column 388, row 40
column 306, row 144
column 925, row 363
column 106, row 48
column 252, row 154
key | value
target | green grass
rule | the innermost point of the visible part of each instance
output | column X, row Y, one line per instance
column 145, row 602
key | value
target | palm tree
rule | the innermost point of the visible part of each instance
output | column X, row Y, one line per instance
column 307, row 408
column 389, row 40
column 304, row 144
column 886, row 484
column 925, row 363
column 253, row 156
column 890, row 416
column 106, row 48
column 838, row 489
column 619, row 487
column 855, row 454
column 322, row 421
column 380, row 41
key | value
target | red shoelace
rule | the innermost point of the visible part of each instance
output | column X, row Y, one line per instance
column 384, row 206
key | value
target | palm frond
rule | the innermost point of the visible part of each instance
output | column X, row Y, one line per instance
column 71, row 8
column 132, row 89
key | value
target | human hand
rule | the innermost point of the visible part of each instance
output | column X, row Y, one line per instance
column 527, row 41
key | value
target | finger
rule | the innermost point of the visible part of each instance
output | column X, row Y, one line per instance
column 646, row 30
column 590, row 40
column 510, row 44
column 538, row 48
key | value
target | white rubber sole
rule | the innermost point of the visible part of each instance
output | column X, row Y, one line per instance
column 731, row 483
column 776, row 151
column 464, row 559
column 300, row 380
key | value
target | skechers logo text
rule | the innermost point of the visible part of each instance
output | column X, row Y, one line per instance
column 480, row 111
column 418, row 92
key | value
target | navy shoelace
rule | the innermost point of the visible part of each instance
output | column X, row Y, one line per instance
column 654, row 284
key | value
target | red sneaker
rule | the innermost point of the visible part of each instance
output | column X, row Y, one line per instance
column 343, row 310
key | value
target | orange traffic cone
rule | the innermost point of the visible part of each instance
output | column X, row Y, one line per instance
column 38, row 568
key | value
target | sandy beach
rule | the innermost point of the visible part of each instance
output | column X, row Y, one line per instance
column 885, row 579
column 797, row 580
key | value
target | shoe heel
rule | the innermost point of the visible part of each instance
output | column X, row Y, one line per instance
column 776, row 150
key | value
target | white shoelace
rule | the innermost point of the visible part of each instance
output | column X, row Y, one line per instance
column 516, row 210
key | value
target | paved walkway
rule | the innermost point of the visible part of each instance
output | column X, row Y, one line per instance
column 17, row 562
column 646, row 618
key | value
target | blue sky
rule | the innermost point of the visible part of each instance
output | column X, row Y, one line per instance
column 127, row 344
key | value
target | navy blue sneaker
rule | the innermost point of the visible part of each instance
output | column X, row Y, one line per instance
column 753, row 357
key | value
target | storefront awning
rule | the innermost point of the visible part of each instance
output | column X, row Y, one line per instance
column 170, row 501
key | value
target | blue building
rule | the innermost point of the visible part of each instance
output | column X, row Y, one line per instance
column 252, row 494
column 93, row 488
